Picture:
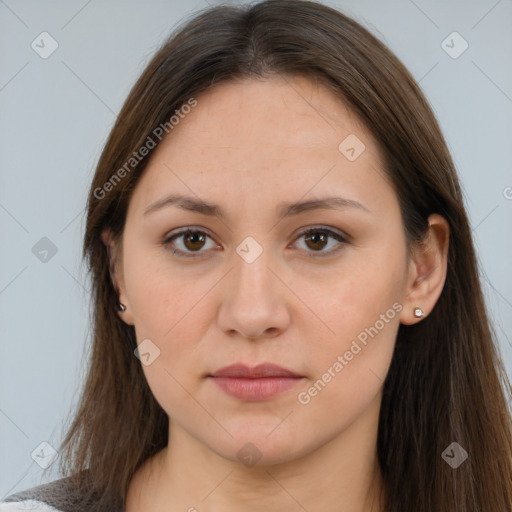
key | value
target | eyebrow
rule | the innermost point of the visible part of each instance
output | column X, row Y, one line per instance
column 284, row 209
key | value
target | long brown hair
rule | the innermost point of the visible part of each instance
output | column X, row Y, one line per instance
column 446, row 382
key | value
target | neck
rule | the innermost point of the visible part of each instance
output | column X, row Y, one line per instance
column 341, row 476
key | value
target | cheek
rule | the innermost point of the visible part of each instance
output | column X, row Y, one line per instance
column 362, row 310
column 170, row 308
column 365, row 291
column 349, row 374
column 161, row 296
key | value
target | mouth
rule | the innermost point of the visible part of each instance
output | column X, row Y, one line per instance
column 254, row 384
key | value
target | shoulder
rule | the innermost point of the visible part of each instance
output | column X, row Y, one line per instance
column 56, row 496
column 18, row 506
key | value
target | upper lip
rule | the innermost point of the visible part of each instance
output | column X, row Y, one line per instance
column 243, row 371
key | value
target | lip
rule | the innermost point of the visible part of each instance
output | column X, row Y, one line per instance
column 257, row 383
column 263, row 370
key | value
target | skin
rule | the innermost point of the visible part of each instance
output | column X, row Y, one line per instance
column 248, row 146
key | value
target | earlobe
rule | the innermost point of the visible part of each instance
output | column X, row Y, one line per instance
column 116, row 276
column 427, row 272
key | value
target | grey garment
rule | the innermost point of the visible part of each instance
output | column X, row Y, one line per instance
column 64, row 496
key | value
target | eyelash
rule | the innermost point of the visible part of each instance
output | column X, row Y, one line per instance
column 315, row 254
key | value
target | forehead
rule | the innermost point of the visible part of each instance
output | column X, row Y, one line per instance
column 266, row 137
column 291, row 109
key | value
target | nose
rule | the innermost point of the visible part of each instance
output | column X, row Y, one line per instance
column 254, row 304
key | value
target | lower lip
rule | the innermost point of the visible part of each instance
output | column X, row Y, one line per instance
column 254, row 390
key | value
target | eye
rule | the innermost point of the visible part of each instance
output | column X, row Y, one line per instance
column 317, row 238
column 192, row 241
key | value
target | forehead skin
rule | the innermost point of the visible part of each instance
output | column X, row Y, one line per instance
column 253, row 143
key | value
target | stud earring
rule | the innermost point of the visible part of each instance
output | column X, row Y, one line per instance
column 418, row 312
column 121, row 307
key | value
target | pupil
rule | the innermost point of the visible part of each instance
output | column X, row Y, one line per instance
column 195, row 238
column 317, row 238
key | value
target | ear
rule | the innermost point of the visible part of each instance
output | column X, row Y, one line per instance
column 116, row 273
column 427, row 270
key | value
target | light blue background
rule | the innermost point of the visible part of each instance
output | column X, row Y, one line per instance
column 55, row 115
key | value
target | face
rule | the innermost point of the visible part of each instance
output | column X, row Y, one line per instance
column 315, row 290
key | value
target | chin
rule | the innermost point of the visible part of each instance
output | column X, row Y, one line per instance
column 260, row 444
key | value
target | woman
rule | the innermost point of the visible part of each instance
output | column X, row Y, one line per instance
column 288, row 314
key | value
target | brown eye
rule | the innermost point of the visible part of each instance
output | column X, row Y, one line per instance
column 194, row 240
column 188, row 243
column 316, row 239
